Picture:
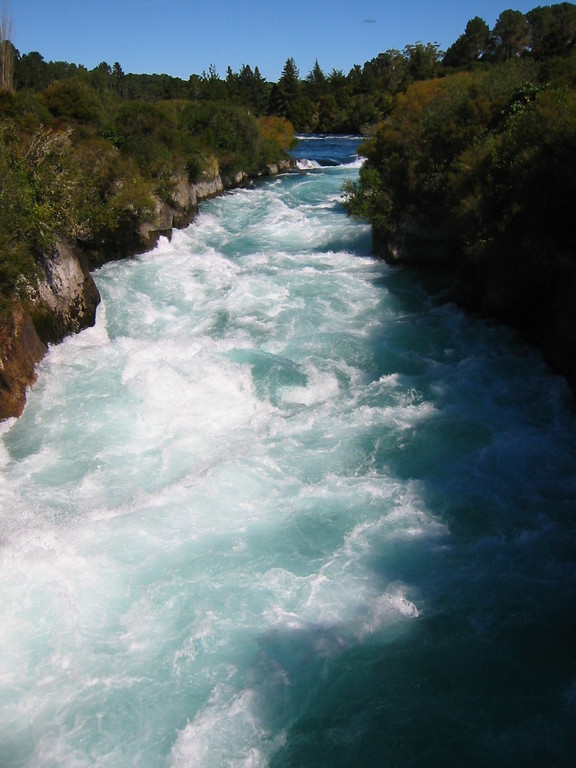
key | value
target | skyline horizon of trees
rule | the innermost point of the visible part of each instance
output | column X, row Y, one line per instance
column 320, row 101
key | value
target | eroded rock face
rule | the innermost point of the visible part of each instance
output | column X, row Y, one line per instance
column 136, row 236
column 65, row 300
column 20, row 350
column 209, row 187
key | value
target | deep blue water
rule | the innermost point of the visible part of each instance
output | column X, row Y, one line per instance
column 327, row 150
column 280, row 507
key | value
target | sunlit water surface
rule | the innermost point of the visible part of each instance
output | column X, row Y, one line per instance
column 279, row 507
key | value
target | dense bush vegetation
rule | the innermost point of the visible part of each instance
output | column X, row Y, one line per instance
column 323, row 102
column 466, row 164
column 474, row 163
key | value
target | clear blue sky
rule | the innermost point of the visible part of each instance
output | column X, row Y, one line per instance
column 184, row 37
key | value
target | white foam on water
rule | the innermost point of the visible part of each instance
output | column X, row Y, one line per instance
column 357, row 163
column 227, row 732
column 240, row 474
column 321, row 386
column 306, row 165
column 323, row 137
column 342, row 597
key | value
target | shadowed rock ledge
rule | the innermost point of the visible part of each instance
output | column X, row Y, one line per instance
column 530, row 293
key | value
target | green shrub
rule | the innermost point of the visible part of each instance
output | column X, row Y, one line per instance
column 72, row 100
column 148, row 135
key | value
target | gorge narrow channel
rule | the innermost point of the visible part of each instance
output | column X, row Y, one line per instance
column 280, row 507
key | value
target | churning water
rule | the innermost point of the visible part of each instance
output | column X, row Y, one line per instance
column 281, row 508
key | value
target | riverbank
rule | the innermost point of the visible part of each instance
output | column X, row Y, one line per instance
column 533, row 296
column 65, row 297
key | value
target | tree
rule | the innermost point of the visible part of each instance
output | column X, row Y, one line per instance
column 316, row 82
column 259, row 90
column 470, row 46
column 32, row 72
column 388, row 71
column 7, row 51
column 552, row 30
column 277, row 130
column 74, row 101
column 423, row 60
column 118, row 77
column 289, row 81
column 248, row 88
column 232, row 87
column 101, row 77
column 511, row 35
column 213, row 88
column 286, row 91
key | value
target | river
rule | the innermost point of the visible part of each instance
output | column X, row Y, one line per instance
column 283, row 507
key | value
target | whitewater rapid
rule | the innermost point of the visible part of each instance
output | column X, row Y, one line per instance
column 282, row 507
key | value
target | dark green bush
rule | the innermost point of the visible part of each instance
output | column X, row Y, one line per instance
column 73, row 101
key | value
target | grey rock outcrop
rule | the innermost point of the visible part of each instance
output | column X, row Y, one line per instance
column 62, row 301
column 64, row 298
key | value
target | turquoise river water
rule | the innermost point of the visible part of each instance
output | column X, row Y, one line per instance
column 281, row 507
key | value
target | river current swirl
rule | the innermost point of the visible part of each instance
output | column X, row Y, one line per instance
column 281, row 506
